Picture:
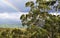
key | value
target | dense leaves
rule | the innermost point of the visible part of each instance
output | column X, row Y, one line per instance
column 48, row 26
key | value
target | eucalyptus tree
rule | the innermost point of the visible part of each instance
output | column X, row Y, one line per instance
column 35, row 15
column 38, row 16
column 52, row 26
column 36, row 32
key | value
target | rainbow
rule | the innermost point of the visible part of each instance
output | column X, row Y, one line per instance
column 9, row 4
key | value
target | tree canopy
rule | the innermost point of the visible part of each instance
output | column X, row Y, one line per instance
column 39, row 16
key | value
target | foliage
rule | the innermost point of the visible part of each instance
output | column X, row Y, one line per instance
column 39, row 16
column 19, row 33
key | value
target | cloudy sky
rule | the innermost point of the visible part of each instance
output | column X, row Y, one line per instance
column 11, row 10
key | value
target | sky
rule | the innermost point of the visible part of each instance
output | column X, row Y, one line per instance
column 13, row 5
column 11, row 10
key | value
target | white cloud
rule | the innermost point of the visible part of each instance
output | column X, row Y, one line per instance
column 16, row 15
column 11, row 16
column 43, row 0
column 54, row 13
column 30, row 0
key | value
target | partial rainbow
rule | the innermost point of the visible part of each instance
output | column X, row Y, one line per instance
column 11, row 5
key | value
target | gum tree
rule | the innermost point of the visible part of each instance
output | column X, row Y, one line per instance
column 38, row 16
